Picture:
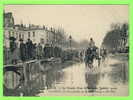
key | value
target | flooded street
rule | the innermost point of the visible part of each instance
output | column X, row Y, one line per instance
column 110, row 78
column 73, row 50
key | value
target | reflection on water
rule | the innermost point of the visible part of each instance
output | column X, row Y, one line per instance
column 113, row 74
column 69, row 77
column 119, row 73
column 51, row 77
column 92, row 81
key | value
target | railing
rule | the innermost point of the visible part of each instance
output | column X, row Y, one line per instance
column 24, row 79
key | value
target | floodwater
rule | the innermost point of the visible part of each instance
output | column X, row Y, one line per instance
column 109, row 79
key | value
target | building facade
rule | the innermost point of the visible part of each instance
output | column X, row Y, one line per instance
column 33, row 32
column 36, row 33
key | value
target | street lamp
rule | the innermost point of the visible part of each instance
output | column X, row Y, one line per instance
column 70, row 39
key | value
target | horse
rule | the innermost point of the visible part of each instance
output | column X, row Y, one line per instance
column 91, row 54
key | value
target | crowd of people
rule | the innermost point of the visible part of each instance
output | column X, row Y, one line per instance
column 29, row 50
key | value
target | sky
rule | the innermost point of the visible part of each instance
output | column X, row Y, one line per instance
column 79, row 21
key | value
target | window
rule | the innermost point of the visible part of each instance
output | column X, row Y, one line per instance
column 41, row 40
column 33, row 34
column 28, row 34
column 19, row 36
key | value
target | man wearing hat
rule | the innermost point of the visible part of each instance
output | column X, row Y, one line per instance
column 29, row 49
column 22, row 50
column 12, row 43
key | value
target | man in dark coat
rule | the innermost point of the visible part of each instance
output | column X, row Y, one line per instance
column 34, row 51
column 12, row 44
column 39, row 51
column 22, row 50
column 47, row 51
column 29, row 49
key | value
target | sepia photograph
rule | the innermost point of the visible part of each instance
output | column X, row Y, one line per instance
column 66, row 50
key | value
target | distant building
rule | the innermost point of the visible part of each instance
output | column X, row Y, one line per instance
column 35, row 33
